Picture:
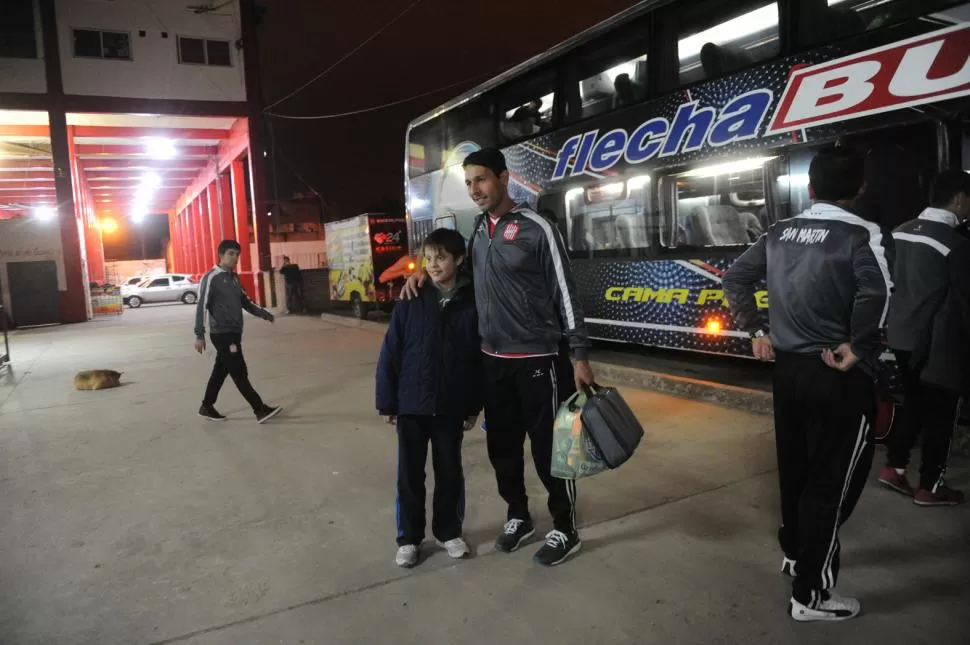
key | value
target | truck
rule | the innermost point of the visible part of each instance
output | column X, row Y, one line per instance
column 368, row 260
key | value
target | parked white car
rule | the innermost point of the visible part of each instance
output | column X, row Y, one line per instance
column 161, row 288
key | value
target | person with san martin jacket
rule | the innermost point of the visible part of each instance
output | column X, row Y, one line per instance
column 429, row 382
column 929, row 321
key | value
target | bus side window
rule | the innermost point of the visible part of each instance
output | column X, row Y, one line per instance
column 526, row 108
column 609, row 220
column 715, row 39
column 718, row 205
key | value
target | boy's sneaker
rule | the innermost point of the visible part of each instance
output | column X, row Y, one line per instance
column 407, row 556
column 943, row 496
column 457, row 549
column 513, row 535
column 210, row 413
column 788, row 567
column 896, row 481
column 557, row 548
column 832, row 608
column 267, row 413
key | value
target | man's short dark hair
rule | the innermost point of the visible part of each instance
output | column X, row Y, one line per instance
column 947, row 185
column 491, row 158
column 447, row 240
column 836, row 174
column 228, row 245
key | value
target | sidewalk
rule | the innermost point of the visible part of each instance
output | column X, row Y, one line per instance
column 124, row 518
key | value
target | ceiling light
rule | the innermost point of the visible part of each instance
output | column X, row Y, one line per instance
column 150, row 181
column 45, row 213
column 750, row 23
column 160, row 148
column 722, row 169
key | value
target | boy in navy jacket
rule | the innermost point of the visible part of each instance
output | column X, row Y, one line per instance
column 429, row 380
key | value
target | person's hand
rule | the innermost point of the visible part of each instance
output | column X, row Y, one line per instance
column 411, row 286
column 841, row 358
column 469, row 423
column 583, row 374
column 389, row 419
column 200, row 345
column 763, row 349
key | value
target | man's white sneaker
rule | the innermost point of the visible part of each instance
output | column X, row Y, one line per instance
column 407, row 556
column 834, row 607
column 457, row 549
column 788, row 567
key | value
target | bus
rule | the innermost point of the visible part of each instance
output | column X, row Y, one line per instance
column 663, row 141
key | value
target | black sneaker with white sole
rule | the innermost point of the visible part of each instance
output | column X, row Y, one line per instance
column 830, row 607
column 210, row 413
column 513, row 535
column 557, row 548
column 267, row 413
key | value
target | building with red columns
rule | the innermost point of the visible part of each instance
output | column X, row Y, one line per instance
column 113, row 111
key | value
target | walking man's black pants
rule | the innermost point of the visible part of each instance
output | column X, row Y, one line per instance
column 822, row 423
column 294, row 297
column 932, row 410
column 522, row 396
column 448, row 506
column 230, row 362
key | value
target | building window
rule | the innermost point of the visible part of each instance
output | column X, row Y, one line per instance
column 202, row 51
column 17, row 36
column 96, row 43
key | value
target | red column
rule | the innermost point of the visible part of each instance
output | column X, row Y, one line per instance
column 73, row 300
column 241, row 215
column 228, row 221
column 208, row 246
column 186, row 242
column 193, row 210
column 215, row 217
column 173, row 234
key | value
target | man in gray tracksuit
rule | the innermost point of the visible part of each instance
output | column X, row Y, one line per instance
column 828, row 287
column 222, row 299
column 928, row 322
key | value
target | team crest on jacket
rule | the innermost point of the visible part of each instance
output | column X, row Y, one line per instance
column 511, row 230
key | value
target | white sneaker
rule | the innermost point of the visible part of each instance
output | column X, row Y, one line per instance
column 835, row 607
column 407, row 556
column 788, row 567
column 457, row 549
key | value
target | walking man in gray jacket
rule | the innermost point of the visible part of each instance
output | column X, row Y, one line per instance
column 928, row 321
column 222, row 299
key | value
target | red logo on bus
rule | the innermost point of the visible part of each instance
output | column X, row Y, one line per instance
column 924, row 69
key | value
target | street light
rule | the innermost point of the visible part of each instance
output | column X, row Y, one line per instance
column 45, row 213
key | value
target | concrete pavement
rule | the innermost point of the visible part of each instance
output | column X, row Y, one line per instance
column 124, row 518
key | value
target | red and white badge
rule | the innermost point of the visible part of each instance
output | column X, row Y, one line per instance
column 511, row 230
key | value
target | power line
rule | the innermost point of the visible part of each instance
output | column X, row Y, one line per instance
column 344, row 57
column 374, row 108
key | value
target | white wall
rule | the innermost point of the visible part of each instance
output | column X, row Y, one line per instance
column 153, row 71
column 29, row 240
column 25, row 74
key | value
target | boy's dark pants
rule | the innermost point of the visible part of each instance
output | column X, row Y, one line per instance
column 445, row 435
column 230, row 363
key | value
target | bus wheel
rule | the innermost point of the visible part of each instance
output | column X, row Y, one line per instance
column 358, row 306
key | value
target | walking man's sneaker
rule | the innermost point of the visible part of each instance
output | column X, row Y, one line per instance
column 943, row 495
column 513, row 535
column 788, row 567
column 894, row 480
column 457, row 549
column 832, row 607
column 267, row 413
column 209, row 412
column 407, row 556
column 557, row 548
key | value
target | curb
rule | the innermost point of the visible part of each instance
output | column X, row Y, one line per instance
column 728, row 396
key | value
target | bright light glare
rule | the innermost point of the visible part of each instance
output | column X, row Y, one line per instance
column 629, row 67
column 45, row 213
column 636, row 183
column 732, row 30
column 612, row 190
column 160, row 148
column 573, row 193
column 417, row 203
column 800, row 179
column 734, row 166
column 108, row 225
column 713, row 326
column 150, row 181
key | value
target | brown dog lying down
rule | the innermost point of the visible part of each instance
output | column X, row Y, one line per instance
column 97, row 380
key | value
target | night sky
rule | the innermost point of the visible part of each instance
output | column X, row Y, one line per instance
column 357, row 162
